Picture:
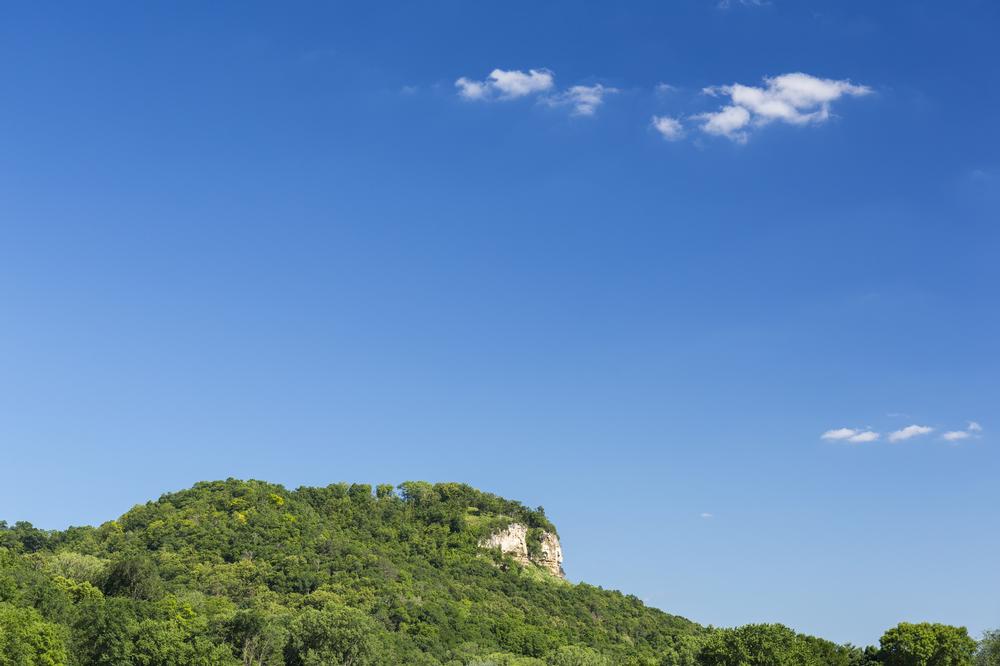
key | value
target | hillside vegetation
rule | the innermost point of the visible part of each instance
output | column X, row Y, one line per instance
column 246, row 572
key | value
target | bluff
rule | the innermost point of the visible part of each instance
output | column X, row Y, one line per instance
column 541, row 549
column 247, row 572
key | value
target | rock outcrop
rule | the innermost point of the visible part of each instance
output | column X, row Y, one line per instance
column 513, row 541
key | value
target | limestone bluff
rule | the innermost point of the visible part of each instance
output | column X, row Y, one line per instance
column 513, row 541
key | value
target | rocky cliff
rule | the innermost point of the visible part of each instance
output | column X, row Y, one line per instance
column 513, row 540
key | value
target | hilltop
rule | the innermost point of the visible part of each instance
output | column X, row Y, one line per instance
column 247, row 572
column 251, row 572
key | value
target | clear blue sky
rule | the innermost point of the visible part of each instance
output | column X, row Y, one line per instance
column 281, row 242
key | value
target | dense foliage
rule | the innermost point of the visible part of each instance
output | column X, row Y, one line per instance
column 988, row 653
column 927, row 644
column 244, row 572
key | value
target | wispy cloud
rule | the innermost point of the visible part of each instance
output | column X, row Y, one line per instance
column 728, row 4
column 707, row 516
column 861, row 435
column 669, row 128
column 583, row 99
column 850, row 435
column 909, row 432
column 506, row 85
column 971, row 430
column 795, row 98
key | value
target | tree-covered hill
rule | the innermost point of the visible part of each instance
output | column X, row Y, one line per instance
column 247, row 572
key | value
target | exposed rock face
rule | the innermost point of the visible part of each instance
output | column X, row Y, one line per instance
column 513, row 540
column 550, row 556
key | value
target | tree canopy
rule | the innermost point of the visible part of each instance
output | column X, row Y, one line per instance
column 246, row 572
column 927, row 644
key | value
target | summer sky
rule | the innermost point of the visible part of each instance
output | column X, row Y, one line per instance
column 717, row 284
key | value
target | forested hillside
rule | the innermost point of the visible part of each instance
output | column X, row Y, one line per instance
column 246, row 572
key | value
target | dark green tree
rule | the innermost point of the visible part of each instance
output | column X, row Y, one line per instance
column 258, row 637
column 333, row 636
column 135, row 577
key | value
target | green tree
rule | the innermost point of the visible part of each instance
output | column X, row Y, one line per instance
column 751, row 645
column 77, row 566
column 576, row 655
column 171, row 643
column 757, row 645
column 988, row 653
column 246, row 571
column 332, row 636
column 28, row 640
column 133, row 577
column 926, row 644
column 258, row 637
column 102, row 634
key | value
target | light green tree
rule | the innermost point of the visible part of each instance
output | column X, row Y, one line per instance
column 926, row 644
column 28, row 640
column 576, row 655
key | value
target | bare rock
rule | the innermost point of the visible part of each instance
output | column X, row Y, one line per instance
column 513, row 541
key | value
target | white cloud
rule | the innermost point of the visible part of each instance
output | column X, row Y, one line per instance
column 972, row 430
column 514, row 83
column 729, row 122
column 583, row 99
column 908, row 432
column 664, row 88
column 472, row 89
column 858, row 436
column 707, row 516
column 794, row 98
column 839, row 433
column 726, row 4
column 669, row 128
column 506, row 84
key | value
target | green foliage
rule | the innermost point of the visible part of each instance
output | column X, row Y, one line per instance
column 28, row 640
column 77, row 566
column 334, row 634
column 771, row 645
column 988, row 653
column 135, row 577
column 245, row 572
column 575, row 655
column 926, row 644
column 258, row 635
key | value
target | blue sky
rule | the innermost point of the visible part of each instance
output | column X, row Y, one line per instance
column 637, row 286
